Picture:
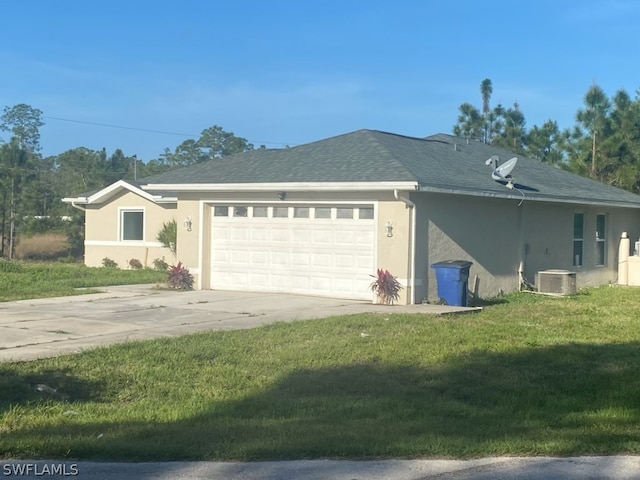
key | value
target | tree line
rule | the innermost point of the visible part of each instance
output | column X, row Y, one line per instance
column 32, row 185
column 604, row 143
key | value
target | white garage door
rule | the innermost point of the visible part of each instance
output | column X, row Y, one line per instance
column 312, row 250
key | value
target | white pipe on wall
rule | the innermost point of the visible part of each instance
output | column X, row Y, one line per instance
column 412, row 264
column 623, row 260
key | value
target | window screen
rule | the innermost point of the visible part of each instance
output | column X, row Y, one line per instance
column 132, row 225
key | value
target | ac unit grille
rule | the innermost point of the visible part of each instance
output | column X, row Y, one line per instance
column 558, row 282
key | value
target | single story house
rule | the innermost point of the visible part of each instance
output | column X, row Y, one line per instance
column 320, row 218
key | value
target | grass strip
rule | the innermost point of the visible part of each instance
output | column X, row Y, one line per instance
column 26, row 280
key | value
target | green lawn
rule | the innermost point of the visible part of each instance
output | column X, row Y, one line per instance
column 23, row 280
column 532, row 375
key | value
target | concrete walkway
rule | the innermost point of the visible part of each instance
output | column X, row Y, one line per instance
column 31, row 329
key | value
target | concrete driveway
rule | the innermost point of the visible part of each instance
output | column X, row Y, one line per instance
column 31, row 329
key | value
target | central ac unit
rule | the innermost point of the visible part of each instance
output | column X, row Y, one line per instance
column 557, row 282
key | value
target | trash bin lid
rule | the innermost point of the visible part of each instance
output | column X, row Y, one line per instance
column 452, row 264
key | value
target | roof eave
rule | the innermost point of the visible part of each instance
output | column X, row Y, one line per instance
column 78, row 200
column 284, row 186
column 511, row 195
column 106, row 193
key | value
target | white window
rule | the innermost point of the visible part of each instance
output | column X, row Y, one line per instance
column 260, row 212
column 344, row 213
column 240, row 211
column 601, row 240
column 131, row 225
column 578, row 239
column 322, row 212
column 280, row 212
column 220, row 211
column 300, row 212
column 365, row 213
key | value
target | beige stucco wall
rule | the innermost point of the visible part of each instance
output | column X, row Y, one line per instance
column 481, row 230
column 394, row 252
column 549, row 240
column 102, row 231
column 498, row 234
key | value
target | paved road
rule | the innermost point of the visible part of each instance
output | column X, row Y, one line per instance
column 540, row 468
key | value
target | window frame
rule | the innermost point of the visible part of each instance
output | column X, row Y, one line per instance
column 340, row 213
column 240, row 211
column 277, row 210
column 601, row 241
column 365, row 216
column 261, row 209
column 577, row 240
column 121, row 224
column 219, row 212
column 302, row 212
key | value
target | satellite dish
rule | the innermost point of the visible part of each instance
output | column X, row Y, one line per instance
column 503, row 171
column 494, row 159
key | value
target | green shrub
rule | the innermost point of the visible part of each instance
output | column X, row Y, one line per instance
column 108, row 263
column 135, row 264
column 160, row 264
column 9, row 266
column 75, row 236
column 168, row 235
column 179, row 278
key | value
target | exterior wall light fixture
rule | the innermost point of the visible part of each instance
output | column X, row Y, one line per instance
column 388, row 228
column 187, row 224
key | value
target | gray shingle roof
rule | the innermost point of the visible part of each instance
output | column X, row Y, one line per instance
column 439, row 162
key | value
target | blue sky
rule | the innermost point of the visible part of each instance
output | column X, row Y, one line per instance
column 290, row 72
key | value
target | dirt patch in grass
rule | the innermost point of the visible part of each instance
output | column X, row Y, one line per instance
column 46, row 246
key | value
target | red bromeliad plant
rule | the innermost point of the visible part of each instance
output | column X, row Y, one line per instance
column 386, row 287
column 179, row 278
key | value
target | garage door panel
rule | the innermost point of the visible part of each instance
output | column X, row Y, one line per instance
column 328, row 256
column 259, row 233
column 344, row 238
column 260, row 257
column 300, row 235
column 364, row 238
column 239, row 234
column 365, row 262
column 344, row 284
column 322, row 284
column 239, row 257
column 322, row 237
column 258, row 280
column 280, row 235
column 240, row 279
column 300, row 260
column 280, row 282
column 220, row 256
column 321, row 260
column 300, row 283
column 220, row 234
column 280, row 259
column 343, row 261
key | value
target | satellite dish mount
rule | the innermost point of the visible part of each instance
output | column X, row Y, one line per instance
column 502, row 173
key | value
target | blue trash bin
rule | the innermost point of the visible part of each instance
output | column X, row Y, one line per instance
column 452, row 277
